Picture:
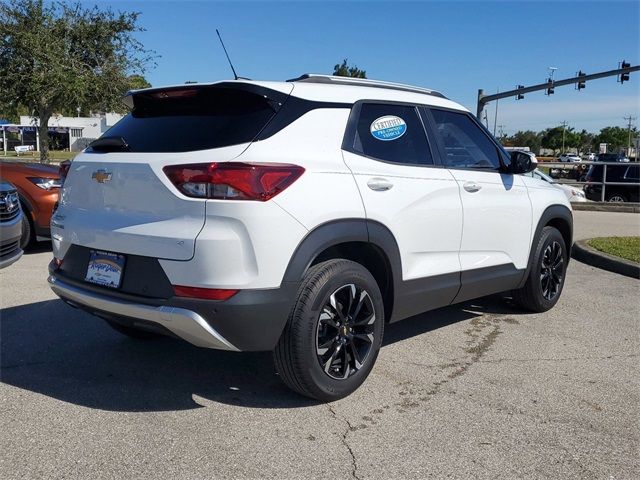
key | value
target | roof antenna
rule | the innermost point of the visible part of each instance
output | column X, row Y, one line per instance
column 235, row 75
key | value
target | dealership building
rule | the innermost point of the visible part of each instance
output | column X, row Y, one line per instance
column 65, row 133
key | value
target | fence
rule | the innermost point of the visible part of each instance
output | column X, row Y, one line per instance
column 629, row 171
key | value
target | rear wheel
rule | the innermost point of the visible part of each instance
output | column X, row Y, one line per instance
column 617, row 198
column 333, row 333
column 547, row 274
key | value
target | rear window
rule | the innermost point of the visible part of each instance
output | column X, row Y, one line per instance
column 195, row 118
column 614, row 172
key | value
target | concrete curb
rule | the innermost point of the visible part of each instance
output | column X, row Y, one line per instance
column 584, row 253
column 607, row 207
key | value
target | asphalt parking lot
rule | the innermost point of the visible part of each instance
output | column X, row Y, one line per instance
column 475, row 390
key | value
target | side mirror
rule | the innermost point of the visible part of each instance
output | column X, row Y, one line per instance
column 522, row 162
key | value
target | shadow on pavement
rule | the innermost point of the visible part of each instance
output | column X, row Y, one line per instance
column 39, row 247
column 52, row 349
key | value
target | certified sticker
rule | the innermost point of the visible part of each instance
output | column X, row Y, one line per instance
column 388, row 128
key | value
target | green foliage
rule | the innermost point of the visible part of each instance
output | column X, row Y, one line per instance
column 616, row 137
column 552, row 138
column 55, row 56
column 344, row 70
column 525, row 139
column 138, row 82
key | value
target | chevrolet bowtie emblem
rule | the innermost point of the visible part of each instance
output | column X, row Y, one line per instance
column 101, row 176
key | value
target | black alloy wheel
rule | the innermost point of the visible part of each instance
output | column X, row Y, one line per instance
column 345, row 332
column 551, row 270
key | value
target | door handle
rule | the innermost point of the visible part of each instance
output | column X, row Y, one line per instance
column 471, row 187
column 379, row 184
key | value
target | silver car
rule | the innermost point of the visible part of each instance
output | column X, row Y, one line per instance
column 10, row 225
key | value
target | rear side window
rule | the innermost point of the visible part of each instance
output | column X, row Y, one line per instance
column 392, row 133
column 633, row 173
column 193, row 118
column 465, row 144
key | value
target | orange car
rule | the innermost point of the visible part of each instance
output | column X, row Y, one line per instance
column 38, row 188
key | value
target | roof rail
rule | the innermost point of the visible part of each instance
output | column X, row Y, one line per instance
column 362, row 82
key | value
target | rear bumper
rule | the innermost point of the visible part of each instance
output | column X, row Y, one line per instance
column 252, row 320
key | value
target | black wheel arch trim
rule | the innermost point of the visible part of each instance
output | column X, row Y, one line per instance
column 551, row 214
column 342, row 231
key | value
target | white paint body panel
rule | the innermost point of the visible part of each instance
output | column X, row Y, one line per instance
column 422, row 209
column 497, row 220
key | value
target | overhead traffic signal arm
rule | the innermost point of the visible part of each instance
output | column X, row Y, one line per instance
column 580, row 80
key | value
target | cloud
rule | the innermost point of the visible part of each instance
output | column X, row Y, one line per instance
column 591, row 114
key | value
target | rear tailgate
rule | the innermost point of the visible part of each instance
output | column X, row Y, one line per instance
column 116, row 196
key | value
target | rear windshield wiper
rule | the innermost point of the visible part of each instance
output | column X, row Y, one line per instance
column 109, row 144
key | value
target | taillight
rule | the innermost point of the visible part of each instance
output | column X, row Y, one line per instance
column 233, row 180
column 205, row 293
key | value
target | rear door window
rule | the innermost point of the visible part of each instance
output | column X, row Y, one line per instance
column 194, row 118
column 391, row 133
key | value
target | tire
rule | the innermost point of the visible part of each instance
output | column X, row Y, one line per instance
column 135, row 333
column 27, row 231
column 547, row 274
column 616, row 197
column 318, row 355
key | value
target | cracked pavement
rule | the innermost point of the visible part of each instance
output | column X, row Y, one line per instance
column 475, row 390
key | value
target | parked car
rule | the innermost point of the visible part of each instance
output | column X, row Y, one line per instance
column 38, row 188
column 589, row 157
column 301, row 217
column 569, row 157
column 612, row 157
column 10, row 225
column 615, row 173
column 573, row 194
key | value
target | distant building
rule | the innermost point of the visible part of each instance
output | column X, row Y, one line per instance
column 65, row 133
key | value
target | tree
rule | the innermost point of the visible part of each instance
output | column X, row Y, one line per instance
column 525, row 139
column 616, row 137
column 55, row 55
column 584, row 141
column 138, row 82
column 552, row 139
column 344, row 70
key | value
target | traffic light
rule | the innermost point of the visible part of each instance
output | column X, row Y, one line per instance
column 581, row 83
column 550, row 87
column 520, row 96
column 624, row 77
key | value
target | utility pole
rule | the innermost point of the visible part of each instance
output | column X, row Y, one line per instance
column 495, row 119
column 564, row 128
column 501, row 131
column 630, row 119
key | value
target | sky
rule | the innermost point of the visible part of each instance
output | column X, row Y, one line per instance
column 454, row 47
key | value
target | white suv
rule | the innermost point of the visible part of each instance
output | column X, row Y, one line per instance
column 301, row 217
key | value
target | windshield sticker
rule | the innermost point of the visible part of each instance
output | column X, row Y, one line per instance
column 388, row 128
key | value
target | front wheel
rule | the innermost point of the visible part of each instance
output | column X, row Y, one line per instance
column 27, row 237
column 333, row 333
column 546, row 277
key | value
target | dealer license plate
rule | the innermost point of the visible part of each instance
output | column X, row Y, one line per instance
column 105, row 268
